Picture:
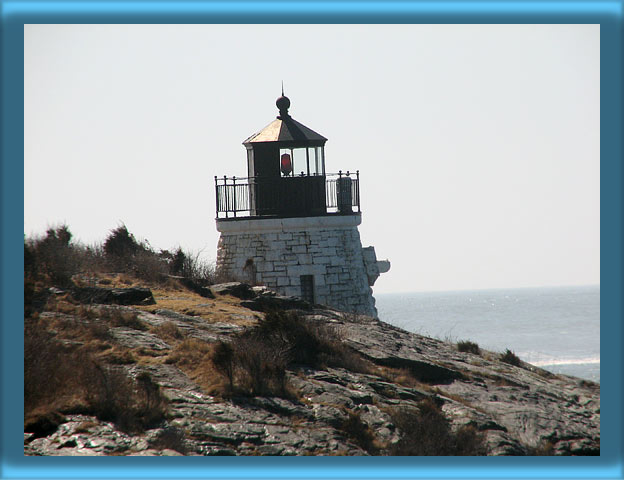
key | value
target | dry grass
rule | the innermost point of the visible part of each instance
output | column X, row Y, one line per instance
column 168, row 330
column 193, row 357
column 71, row 377
column 223, row 309
column 399, row 376
column 118, row 356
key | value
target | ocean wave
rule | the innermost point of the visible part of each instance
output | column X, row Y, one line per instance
column 566, row 361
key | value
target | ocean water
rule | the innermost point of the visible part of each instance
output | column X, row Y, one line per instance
column 556, row 328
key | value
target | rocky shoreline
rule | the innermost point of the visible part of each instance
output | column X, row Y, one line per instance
column 517, row 409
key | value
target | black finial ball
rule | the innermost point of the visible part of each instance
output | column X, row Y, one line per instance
column 283, row 103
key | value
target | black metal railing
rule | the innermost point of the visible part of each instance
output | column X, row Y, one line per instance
column 306, row 195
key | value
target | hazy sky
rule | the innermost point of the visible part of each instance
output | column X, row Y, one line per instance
column 477, row 145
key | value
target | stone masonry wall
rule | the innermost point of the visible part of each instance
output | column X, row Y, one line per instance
column 277, row 252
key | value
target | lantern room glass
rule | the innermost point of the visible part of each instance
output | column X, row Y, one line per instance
column 305, row 160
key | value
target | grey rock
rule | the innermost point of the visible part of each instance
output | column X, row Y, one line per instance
column 236, row 289
column 266, row 303
column 118, row 296
column 517, row 409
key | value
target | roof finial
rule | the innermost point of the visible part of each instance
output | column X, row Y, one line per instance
column 283, row 103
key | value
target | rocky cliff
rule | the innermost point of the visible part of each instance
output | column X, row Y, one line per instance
column 324, row 408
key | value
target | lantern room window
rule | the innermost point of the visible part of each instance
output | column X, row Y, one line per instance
column 302, row 161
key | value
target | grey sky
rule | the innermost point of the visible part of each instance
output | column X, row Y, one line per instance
column 478, row 145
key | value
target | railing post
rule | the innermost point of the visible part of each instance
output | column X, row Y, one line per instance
column 227, row 200
column 357, row 188
column 217, row 196
column 234, row 194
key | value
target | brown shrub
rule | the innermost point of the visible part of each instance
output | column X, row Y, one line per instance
column 511, row 358
column 361, row 434
column 52, row 257
column 469, row 347
column 148, row 266
column 190, row 266
column 426, row 431
column 260, row 368
column 70, row 379
column 307, row 342
column 133, row 405
column 223, row 361
column 255, row 362
column 47, row 366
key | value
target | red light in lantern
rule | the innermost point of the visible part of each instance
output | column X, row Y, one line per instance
column 286, row 164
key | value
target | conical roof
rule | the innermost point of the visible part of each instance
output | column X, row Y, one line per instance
column 285, row 129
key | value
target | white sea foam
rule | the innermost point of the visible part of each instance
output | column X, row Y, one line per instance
column 567, row 361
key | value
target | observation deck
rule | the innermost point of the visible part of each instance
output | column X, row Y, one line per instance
column 290, row 196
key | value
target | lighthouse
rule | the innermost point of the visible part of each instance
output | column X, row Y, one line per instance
column 293, row 227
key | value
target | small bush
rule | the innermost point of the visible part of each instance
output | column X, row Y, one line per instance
column 511, row 358
column 52, row 256
column 59, row 378
column 125, row 254
column 469, row 442
column 190, row 266
column 121, row 244
column 148, row 266
column 469, row 347
column 427, row 431
column 133, row 405
column 171, row 438
column 309, row 343
column 255, row 362
column 223, row 361
column 47, row 367
column 361, row 434
column 260, row 368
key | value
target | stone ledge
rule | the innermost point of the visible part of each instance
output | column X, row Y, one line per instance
column 288, row 224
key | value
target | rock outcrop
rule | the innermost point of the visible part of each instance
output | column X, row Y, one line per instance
column 118, row 296
column 518, row 409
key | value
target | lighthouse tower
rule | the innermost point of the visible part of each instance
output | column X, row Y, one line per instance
column 291, row 226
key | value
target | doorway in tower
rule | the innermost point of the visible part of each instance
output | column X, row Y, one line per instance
column 249, row 271
column 307, row 288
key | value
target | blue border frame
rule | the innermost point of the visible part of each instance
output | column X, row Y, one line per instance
column 17, row 13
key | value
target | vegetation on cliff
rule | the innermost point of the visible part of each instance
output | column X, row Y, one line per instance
column 201, row 369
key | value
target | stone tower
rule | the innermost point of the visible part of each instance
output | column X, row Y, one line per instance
column 291, row 226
